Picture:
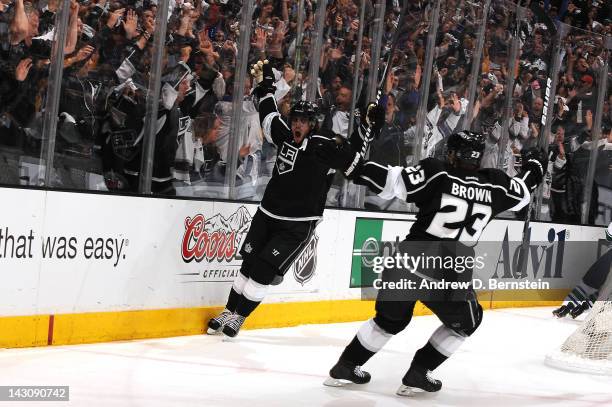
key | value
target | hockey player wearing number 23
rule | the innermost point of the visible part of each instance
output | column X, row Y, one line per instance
column 456, row 199
column 291, row 207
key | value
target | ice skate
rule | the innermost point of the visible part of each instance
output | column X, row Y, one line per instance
column 344, row 373
column 578, row 310
column 418, row 380
column 232, row 325
column 215, row 324
column 563, row 310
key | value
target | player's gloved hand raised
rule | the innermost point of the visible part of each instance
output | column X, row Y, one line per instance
column 535, row 160
column 536, row 154
column 263, row 74
column 375, row 117
column 338, row 153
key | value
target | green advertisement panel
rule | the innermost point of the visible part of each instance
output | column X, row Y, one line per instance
column 368, row 234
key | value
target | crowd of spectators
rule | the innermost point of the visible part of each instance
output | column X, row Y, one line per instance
column 107, row 68
column 582, row 26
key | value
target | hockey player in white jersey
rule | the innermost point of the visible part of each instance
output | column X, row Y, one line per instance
column 456, row 200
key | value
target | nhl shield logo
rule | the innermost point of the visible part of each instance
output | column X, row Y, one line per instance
column 286, row 158
column 306, row 263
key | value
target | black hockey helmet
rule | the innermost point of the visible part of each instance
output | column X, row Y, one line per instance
column 467, row 145
column 306, row 109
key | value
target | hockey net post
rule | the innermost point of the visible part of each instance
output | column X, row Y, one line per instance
column 589, row 348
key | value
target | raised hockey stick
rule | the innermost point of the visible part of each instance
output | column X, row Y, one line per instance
column 368, row 137
column 394, row 40
column 551, row 86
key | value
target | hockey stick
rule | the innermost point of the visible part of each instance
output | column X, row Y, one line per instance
column 368, row 138
column 551, row 86
column 394, row 40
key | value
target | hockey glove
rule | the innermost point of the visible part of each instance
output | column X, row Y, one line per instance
column 375, row 117
column 263, row 74
column 535, row 160
column 338, row 153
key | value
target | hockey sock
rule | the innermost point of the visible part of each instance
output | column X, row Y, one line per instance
column 369, row 339
column 236, row 292
column 246, row 307
column 582, row 292
column 441, row 345
column 251, row 297
column 356, row 353
column 233, row 300
column 428, row 357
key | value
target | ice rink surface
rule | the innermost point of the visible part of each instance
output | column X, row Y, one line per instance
column 501, row 365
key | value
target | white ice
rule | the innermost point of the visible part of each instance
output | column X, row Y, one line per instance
column 501, row 365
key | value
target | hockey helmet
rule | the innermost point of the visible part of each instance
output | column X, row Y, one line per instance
column 467, row 145
column 306, row 109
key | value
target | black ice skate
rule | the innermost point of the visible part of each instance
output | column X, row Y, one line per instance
column 563, row 310
column 578, row 310
column 215, row 324
column 418, row 380
column 233, row 325
column 344, row 373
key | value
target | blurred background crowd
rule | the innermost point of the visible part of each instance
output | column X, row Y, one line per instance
column 456, row 64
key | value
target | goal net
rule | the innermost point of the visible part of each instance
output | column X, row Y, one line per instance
column 589, row 348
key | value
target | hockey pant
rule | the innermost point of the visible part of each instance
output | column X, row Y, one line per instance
column 268, row 251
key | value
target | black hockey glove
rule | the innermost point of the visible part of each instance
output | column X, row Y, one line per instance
column 535, row 160
column 375, row 117
column 338, row 153
column 263, row 73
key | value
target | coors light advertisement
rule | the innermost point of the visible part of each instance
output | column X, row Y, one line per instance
column 213, row 242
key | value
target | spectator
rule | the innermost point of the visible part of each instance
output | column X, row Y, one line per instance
column 108, row 55
column 566, row 188
column 337, row 119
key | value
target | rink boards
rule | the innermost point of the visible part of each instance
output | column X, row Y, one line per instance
column 81, row 267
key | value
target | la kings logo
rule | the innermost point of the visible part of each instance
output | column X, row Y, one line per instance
column 184, row 129
column 306, row 263
column 184, row 125
column 286, row 158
